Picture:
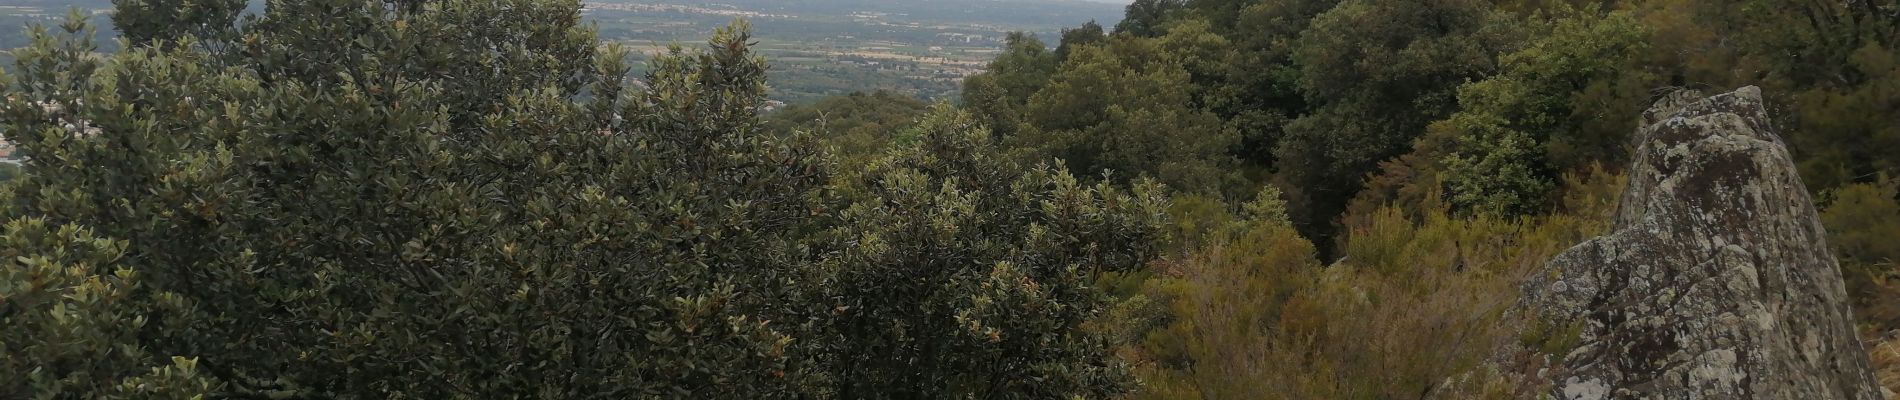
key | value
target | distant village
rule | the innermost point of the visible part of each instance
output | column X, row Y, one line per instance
column 649, row 8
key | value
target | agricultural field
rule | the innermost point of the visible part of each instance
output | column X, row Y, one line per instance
column 816, row 48
column 831, row 47
column 16, row 15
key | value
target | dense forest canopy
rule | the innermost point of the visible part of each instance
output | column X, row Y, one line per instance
column 816, row 48
column 819, row 48
column 1246, row 199
column 1497, row 98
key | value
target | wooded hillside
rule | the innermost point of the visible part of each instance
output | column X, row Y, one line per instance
column 1236, row 199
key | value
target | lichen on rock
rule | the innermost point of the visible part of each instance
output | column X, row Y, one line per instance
column 1715, row 280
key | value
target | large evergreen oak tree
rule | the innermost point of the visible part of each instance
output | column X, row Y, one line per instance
column 470, row 199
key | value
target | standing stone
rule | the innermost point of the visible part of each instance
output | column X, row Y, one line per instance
column 1715, row 281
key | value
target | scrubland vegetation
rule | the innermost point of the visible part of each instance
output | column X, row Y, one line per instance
column 1247, row 199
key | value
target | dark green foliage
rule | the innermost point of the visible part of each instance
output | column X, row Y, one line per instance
column 1089, row 34
column 1321, row 93
column 1259, row 92
column 1846, row 131
column 1830, row 64
column 1125, row 106
column 471, row 199
column 477, row 57
column 144, row 22
column 1220, row 13
column 1377, row 74
column 1576, row 87
column 328, row 220
column 1148, row 18
column 963, row 273
column 1363, row 54
column 1492, row 169
column 860, row 126
column 1550, row 109
column 435, row 201
column 1126, row 109
column 72, row 316
column 998, row 95
column 1845, row 114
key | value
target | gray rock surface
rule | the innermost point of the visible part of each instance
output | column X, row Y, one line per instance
column 1715, row 281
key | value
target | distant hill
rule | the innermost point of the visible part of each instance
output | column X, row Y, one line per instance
column 1023, row 14
column 818, row 48
column 16, row 15
column 918, row 48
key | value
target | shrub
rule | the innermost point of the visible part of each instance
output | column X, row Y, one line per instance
column 1217, row 311
column 1416, row 308
column 1862, row 221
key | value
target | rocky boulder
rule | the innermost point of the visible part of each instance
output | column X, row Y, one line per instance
column 1715, row 281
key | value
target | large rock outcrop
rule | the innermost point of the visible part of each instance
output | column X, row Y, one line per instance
column 1715, row 281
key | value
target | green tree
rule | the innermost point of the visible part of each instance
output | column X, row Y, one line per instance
column 1148, row 18
column 1260, row 91
column 72, row 318
column 1842, row 131
column 998, row 94
column 326, row 228
column 1493, row 169
column 1575, row 87
column 144, row 22
column 1220, row 13
column 1201, row 52
column 1126, row 109
column 963, row 274
column 1089, row 34
column 859, row 126
column 1836, row 67
column 338, row 207
column 1830, row 64
column 1551, row 108
column 1377, row 74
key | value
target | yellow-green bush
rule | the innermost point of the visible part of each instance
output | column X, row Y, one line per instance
column 1863, row 222
column 1195, row 219
column 1885, row 353
column 1213, row 315
column 1415, row 308
column 1418, row 303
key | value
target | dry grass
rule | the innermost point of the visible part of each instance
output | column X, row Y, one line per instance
column 1878, row 308
column 1418, row 309
column 1885, row 355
